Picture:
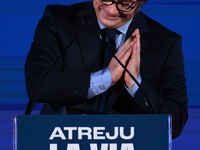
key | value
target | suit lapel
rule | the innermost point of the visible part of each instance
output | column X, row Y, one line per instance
column 139, row 22
column 90, row 45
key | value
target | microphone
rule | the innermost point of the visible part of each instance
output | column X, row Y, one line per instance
column 85, row 18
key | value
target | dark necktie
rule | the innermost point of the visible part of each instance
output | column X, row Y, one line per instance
column 110, row 34
column 111, row 48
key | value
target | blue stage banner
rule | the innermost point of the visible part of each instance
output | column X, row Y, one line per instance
column 92, row 132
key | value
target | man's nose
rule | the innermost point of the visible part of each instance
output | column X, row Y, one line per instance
column 113, row 9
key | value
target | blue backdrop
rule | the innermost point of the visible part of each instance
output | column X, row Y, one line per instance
column 19, row 19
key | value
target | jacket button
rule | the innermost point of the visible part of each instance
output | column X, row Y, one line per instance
column 74, row 92
column 69, row 92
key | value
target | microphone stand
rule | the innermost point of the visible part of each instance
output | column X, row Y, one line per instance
column 32, row 101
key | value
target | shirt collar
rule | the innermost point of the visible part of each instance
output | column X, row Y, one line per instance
column 123, row 29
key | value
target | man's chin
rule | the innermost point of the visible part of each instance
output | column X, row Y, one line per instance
column 111, row 24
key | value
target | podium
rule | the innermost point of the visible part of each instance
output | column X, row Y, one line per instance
column 92, row 132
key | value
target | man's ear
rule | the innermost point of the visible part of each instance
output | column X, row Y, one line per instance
column 139, row 6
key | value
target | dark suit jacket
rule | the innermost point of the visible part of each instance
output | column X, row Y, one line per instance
column 66, row 49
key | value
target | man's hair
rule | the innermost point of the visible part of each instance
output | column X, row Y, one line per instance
column 140, row 4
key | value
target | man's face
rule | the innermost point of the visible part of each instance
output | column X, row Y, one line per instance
column 110, row 16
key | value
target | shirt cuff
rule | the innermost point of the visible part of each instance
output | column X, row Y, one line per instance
column 100, row 81
column 135, row 87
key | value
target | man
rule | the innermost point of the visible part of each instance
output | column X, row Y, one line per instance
column 68, row 67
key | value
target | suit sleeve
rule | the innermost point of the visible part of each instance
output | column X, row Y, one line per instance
column 47, row 78
column 169, row 96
